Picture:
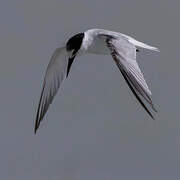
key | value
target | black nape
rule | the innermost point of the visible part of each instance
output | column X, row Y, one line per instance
column 74, row 43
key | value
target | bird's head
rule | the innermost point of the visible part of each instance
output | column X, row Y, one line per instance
column 72, row 47
column 74, row 44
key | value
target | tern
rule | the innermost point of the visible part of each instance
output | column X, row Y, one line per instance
column 121, row 47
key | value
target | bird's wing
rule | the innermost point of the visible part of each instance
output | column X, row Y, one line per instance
column 124, row 55
column 55, row 73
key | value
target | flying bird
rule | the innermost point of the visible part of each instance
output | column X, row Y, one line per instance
column 121, row 47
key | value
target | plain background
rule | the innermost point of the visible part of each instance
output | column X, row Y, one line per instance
column 95, row 128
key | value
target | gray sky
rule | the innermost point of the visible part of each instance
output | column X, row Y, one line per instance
column 95, row 129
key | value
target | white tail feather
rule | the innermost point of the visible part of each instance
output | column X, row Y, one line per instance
column 140, row 44
column 143, row 45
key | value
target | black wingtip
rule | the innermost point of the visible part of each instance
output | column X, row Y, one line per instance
column 36, row 126
column 39, row 118
column 38, row 115
column 135, row 94
column 35, row 130
column 37, row 121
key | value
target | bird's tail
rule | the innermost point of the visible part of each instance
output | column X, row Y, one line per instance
column 141, row 44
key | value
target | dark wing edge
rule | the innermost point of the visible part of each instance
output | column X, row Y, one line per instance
column 134, row 91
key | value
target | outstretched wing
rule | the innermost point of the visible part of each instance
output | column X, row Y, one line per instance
column 124, row 55
column 55, row 73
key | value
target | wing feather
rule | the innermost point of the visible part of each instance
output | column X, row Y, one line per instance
column 124, row 55
column 54, row 76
